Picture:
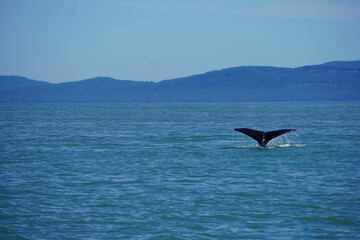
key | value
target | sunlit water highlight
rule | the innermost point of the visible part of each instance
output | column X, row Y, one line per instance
column 179, row 171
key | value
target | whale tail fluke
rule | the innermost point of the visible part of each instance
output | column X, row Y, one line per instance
column 263, row 137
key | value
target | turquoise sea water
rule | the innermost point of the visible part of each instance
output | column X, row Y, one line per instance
column 179, row 171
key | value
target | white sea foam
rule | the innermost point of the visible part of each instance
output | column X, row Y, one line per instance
column 291, row 139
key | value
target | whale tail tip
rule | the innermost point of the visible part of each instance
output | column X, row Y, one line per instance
column 263, row 137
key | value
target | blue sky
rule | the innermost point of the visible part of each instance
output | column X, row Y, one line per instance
column 153, row 40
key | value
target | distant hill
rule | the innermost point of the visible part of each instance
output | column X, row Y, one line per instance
column 13, row 82
column 329, row 81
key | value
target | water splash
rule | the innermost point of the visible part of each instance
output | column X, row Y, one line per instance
column 291, row 139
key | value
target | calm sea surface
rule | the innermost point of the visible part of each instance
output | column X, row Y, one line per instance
column 179, row 171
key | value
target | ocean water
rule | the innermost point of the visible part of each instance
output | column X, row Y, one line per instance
column 179, row 171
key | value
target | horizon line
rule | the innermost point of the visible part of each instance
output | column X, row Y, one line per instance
column 270, row 66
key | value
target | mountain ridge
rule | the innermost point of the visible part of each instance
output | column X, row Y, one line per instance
column 337, row 80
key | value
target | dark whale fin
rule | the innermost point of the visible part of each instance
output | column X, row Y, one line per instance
column 255, row 134
column 263, row 137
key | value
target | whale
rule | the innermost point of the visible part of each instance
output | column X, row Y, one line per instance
column 263, row 137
